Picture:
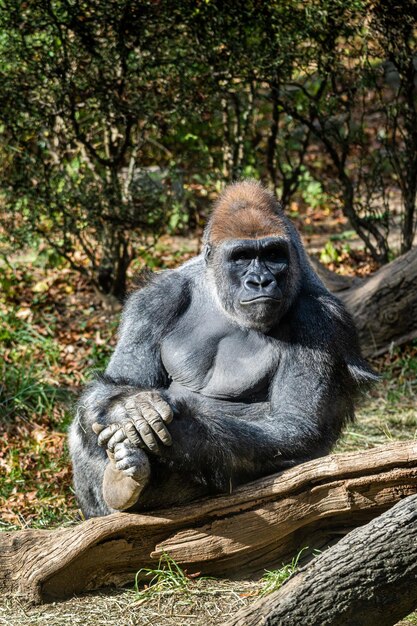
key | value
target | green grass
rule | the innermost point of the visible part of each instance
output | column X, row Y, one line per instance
column 400, row 375
column 28, row 388
column 26, row 392
column 166, row 579
column 34, row 415
column 274, row 579
column 169, row 578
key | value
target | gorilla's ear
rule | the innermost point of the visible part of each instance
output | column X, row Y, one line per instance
column 207, row 252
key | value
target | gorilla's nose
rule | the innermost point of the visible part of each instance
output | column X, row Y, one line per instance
column 258, row 281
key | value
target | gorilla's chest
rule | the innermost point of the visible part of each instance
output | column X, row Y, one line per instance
column 219, row 360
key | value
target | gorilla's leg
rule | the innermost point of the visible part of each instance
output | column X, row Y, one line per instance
column 89, row 464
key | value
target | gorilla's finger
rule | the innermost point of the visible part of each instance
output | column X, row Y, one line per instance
column 132, row 434
column 161, row 430
column 147, row 435
column 119, row 447
column 107, row 433
column 118, row 437
column 121, row 450
column 132, row 407
column 163, row 408
column 155, row 422
column 97, row 428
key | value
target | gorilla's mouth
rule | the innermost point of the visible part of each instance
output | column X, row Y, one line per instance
column 259, row 299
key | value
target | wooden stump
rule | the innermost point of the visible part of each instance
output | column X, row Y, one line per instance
column 259, row 526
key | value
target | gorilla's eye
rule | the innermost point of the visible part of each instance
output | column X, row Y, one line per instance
column 276, row 256
column 242, row 255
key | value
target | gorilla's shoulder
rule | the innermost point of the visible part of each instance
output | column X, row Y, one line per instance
column 321, row 319
column 165, row 294
column 323, row 324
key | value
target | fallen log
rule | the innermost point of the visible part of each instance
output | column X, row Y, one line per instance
column 368, row 578
column 260, row 525
column 384, row 305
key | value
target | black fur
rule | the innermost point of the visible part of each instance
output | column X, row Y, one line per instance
column 254, row 388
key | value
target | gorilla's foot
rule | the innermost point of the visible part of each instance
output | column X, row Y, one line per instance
column 122, row 487
column 120, row 492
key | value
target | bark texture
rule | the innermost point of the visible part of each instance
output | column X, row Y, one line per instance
column 260, row 525
column 369, row 578
column 384, row 305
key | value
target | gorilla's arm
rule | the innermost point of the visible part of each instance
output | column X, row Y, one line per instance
column 136, row 362
column 311, row 398
column 220, row 444
column 135, row 366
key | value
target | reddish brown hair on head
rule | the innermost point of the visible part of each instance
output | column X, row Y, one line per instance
column 245, row 210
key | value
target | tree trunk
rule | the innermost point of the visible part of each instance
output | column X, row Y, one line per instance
column 384, row 305
column 368, row 578
column 260, row 525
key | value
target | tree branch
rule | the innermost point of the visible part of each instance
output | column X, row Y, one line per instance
column 260, row 525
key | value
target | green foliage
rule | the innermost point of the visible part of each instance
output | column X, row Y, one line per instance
column 329, row 254
column 118, row 120
column 333, row 254
column 311, row 190
column 346, row 235
column 86, row 89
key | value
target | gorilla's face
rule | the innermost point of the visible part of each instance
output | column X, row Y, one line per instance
column 251, row 278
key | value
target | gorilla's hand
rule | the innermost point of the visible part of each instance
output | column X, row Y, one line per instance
column 141, row 418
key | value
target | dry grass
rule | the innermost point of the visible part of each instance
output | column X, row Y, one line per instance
column 207, row 602
column 378, row 424
column 389, row 411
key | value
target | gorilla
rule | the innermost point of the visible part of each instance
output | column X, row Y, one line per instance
column 236, row 365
